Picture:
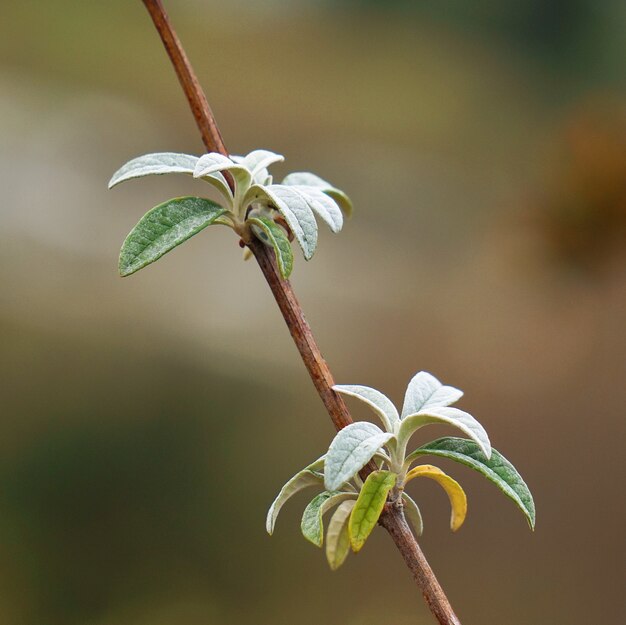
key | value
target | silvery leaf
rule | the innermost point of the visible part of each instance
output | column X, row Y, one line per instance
column 378, row 402
column 352, row 448
column 293, row 207
column 425, row 391
column 308, row 179
column 451, row 416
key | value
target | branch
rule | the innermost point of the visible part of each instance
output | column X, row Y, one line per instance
column 392, row 518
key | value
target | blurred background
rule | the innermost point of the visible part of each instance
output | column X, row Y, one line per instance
column 147, row 423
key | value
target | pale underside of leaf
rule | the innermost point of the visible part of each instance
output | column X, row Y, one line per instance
column 451, row 416
column 456, row 494
column 413, row 514
column 426, row 391
column 368, row 506
column 337, row 535
column 351, row 449
column 312, row 525
column 378, row 402
column 163, row 228
column 497, row 469
column 257, row 160
column 323, row 205
column 294, row 208
column 309, row 476
column 309, row 179
column 270, row 233
column 161, row 163
column 215, row 162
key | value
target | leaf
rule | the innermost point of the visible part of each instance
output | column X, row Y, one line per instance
column 161, row 163
column 497, row 469
column 163, row 228
column 426, row 391
column 312, row 525
column 213, row 162
column 268, row 231
column 368, row 506
column 309, row 476
column 352, row 448
column 452, row 416
column 378, row 402
column 323, row 205
column 294, row 208
column 311, row 180
column 413, row 514
column 337, row 536
column 258, row 160
column 154, row 164
column 456, row 495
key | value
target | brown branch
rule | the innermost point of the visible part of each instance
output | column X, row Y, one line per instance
column 392, row 518
column 198, row 103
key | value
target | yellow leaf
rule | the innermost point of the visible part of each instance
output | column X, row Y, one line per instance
column 458, row 499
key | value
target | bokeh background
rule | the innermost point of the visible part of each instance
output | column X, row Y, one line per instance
column 147, row 423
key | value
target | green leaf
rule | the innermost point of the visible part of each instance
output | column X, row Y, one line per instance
column 312, row 524
column 413, row 514
column 368, row 506
column 161, row 163
column 352, row 448
column 309, row 476
column 497, row 469
column 337, row 536
column 452, row 416
column 426, row 391
column 378, row 402
column 268, row 231
column 163, row 228
column 293, row 207
column 305, row 178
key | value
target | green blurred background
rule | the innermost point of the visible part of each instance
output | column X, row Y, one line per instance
column 147, row 423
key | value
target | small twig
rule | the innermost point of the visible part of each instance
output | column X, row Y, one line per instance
column 392, row 518
column 200, row 108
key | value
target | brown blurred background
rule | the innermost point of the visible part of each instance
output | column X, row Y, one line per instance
column 147, row 423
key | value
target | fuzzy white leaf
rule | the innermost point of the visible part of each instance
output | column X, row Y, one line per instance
column 425, row 391
column 352, row 448
column 378, row 402
column 294, row 208
column 161, row 163
column 215, row 162
column 451, row 416
column 308, row 179
column 155, row 164
column 309, row 476
column 323, row 205
column 258, row 160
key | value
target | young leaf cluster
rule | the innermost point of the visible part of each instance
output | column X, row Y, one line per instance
column 273, row 213
column 359, row 503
